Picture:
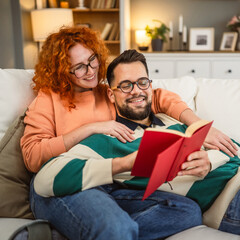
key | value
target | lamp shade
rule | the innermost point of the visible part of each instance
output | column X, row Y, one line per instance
column 141, row 38
column 47, row 21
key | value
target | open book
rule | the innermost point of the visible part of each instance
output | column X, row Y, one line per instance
column 162, row 152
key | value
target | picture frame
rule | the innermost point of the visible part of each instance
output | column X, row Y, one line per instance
column 229, row 41
column 201, row 39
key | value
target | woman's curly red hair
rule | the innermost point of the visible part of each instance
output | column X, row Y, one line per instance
column 52, row 69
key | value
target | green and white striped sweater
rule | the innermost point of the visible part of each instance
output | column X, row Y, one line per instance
column 89, row 164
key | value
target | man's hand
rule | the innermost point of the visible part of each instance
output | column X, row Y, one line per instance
column 197, row 164
column 123, row 164
column 218, row 140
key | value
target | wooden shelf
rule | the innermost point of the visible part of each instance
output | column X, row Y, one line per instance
column 112, row 42
column 88, row 10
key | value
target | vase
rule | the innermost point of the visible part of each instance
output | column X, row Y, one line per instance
column 238, row 40
column 157, row 44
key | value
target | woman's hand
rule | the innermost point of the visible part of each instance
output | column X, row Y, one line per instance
column 197, row 164
column 115, row 129
column 215, row 138
column 218, row 140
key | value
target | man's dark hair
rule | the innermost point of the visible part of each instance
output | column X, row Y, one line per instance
column 128, row 56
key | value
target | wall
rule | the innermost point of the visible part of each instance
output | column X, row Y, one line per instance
column 16, row 45
column 7, row 59
column 196, row 13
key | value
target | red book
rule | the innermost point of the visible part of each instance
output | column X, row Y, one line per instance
column 162, row 152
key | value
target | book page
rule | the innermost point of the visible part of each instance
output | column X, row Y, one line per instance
column 195, row 126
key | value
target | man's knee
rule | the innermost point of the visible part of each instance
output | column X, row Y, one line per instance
column 192, row 212
column 122, row 227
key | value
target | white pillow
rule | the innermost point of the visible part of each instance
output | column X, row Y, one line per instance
column 219, row 100
column 185, row 87
column 15, row 95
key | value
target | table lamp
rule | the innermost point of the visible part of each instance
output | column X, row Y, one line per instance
column 142, row 40
column 49, row 20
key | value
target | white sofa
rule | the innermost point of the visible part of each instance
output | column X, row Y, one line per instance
column 212, row 99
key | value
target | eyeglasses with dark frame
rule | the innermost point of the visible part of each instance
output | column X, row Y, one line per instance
column 127, row 86
column 82, row 69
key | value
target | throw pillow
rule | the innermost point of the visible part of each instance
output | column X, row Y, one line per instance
column 14, row 177
column 185, row 87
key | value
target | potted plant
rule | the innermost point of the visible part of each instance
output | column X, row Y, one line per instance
column 158, row 35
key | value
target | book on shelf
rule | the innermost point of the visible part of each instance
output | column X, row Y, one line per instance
column 106, row 31
column 93, row 4
column 103, row 4
column 114, row 31
column 108, row 4
column 117, row 37
column 99, row 4
column 162, row 152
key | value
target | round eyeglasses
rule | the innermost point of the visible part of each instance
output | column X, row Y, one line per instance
column 82, row 69
column 127, row 86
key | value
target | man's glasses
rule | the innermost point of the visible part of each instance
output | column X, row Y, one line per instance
column 127, row 86
column 82, row 69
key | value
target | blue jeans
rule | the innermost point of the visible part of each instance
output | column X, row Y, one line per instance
column 231, row 220
column 113, row 212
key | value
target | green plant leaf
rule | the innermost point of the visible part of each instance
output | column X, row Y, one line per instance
column 157, row 32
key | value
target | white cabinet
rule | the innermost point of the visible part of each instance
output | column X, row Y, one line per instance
column 161, row 69
column 193, row 68
column 208, row 65
column 226, row 69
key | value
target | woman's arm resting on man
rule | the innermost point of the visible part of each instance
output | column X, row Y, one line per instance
column 215, row 138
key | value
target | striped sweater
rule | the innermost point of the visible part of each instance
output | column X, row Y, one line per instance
column 89, row 164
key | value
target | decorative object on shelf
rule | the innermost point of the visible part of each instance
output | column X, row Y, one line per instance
column 229, row 40
column 88, row 25
column 170, row 35
column 238, row 41
column 142, row 39
column 234, row 25
column 81, row 4
column 64, row 4
column 49, row 20
column 41, row 4
column 52, row 3
column 201, row 39
column 180, row 30
column 185, row 38
column 158, row 35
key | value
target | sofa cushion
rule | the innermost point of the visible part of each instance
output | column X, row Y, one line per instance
column 203, row 232
column 15, row 95
column 185, row 87
column 218, row 100
column 14, row 177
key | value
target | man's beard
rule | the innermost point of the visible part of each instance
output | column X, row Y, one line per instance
column 129, row 113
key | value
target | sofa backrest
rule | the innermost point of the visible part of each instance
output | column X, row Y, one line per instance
column 211, row 99
column 15, row 95
column 219, row 100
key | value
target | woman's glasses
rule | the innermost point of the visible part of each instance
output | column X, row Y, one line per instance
column 81, row 69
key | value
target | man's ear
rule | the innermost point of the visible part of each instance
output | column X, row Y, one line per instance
column 111, row 95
